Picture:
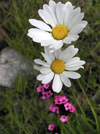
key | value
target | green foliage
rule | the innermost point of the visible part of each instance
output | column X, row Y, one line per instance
column 22, row 111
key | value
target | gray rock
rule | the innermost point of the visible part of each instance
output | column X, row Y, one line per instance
column 11, row 63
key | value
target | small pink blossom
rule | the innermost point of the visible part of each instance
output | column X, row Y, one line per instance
column 57, row 110
column 49, row 94
column 56, row 133
column 43, row 95
column 54, row 109
column 51, row 127
column 64, row 118
column 40, row 88
column 72, row 109
column 51, row 107
column 46, row 86
column 67, row 106
column 60, row 99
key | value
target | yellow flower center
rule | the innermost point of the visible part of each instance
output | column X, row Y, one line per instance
column 59, row 32
column 57, row 66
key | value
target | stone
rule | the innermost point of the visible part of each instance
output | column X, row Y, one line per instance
column 11, row 63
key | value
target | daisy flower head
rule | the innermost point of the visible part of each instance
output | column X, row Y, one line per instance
column 61, row 24
column 59, row 67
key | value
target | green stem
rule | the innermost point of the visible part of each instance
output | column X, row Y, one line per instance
column 97, row 124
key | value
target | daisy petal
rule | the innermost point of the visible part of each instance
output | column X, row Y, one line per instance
column 45, row 70
column 46, row 17
column 40, row 24
column 50, row 55
column 70, row 38
column 73, row 68
column 75, row 64
column 57, row 53
column 41, row 77
column 48, row 42
column 77, row 29
column 70, row 55
column 59, row 13
column 58, row 44
column 66, row 52
column 73, row 60
column 72, row 75
column 37, row 67
column 57, row 84
column 48, row 77
column 76, row 20
column 68, row 11
column 46, row 57
column 40, row 62
column 39, row 35
column 65, row 80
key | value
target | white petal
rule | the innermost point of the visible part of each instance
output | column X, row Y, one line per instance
column 84, row 23
column 40, row 77
column 73, row 14
column 37, row 67
column 66, row 52
column 48, row 78
column 72, row 75
column 52, row 6
column 50, row 55
column 57, row 84
column 68, row 11
column 40, row 24
column 58, row 44
column 73, row 68
column 70, row 55
column 51, row 13
column 76, row 20
column 48, row 42
column 72, row 61
column 75, row 64
column 46, row 57
column 45, row 70
column 39, row 35
column 70, row 38
column 65, row 80
column 77, row 29
column 57, row 53
column 46, row 17
column 59, row 12
column 40, row 62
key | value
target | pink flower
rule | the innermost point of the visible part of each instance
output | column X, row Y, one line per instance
column 67, row 106
column 44, row 95
column 60, row 99
column 54, row 108
column 56, row 133
column 46, row 86
column 57, row 110
column 64, row 118
column 40, row 88
column 51, row 127
column 72, row 109
column 49, row 94
column 51, row 107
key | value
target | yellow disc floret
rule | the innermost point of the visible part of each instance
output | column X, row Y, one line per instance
column 59, row 32
column 57, row 66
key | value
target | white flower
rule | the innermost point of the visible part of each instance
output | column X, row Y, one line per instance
column 59, row 67
column 64, row 25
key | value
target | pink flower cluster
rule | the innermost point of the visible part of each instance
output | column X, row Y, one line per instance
column 45, row 94
column 60, row 106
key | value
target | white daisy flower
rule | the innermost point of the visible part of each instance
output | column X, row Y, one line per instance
column 59, row 67
column 62, row 24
